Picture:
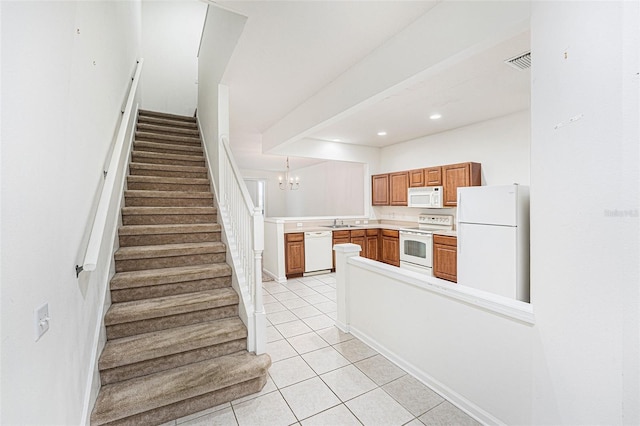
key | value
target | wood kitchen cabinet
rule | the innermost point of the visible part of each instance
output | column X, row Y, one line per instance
column 340, row 237
column 357, row 237
column 380, row 190
column 432, row 176
column 445, row 257
column 294, row 254
column 457, row 175
column 398, row 186
column 416, row 178
column 390, row 247
column 371, row 244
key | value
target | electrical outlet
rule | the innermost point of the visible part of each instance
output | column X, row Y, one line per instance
column 357, row 222
column 299, row 224
column 42, row 320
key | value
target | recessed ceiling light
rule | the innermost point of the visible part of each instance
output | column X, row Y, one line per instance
column 435, row 116
column 382, row 133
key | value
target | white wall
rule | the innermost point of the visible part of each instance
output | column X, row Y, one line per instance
column 171, row 32
column 584, row 262
column 330, row 188
column 579, row 363
column 66, row 67
column 221, row 32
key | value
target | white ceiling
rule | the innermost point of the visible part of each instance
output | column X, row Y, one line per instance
column 290, row 50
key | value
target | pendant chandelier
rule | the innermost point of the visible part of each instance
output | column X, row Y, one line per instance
column 288, row 182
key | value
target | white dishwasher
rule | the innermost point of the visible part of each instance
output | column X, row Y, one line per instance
column 318, row 251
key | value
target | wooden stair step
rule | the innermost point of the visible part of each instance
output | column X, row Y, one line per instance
column 167, row 148
column 142, row 198
column 168, row 215
column 171, row 159
column 141, row 235
column 167, row 170
column 165, row 138
column 127, row 312
column 141, row 396
column 165, row 115
column 167, row 122
column 163, row 183
column 168, row 129
column 137, row 258
column 157, row 344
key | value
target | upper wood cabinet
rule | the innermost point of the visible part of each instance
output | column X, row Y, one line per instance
column 398, row 184
column 380, row 190
column 457, row 175
column 432, row 176
column 416, row 178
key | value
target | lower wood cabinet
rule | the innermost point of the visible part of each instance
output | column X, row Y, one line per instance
column 445, row 257
column 340, row 237
column 371, row 244
column 390, row 247
column 357, row 237
column 294, row 254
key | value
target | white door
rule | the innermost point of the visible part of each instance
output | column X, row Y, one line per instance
column 487, row 258
column 256, row 192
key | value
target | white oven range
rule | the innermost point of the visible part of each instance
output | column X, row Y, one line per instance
column 416, row 244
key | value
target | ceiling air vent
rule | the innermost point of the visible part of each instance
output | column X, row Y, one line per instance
column 520, row 62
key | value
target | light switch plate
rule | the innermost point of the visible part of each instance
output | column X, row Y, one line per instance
column 42, row 320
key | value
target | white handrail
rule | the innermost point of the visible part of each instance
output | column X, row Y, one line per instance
column 97, row 231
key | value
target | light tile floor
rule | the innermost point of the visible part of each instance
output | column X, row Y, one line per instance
column 322, row 376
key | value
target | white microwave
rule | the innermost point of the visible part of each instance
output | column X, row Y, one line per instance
column 427, row 197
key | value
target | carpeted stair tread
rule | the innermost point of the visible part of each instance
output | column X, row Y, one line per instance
column 168, row 229
column 168, row 167
column 138, row 310
column 135, row 396
column 167, row 122
column 149, row 146
column 143, row 347
column 163, row 156
column 163, row 183
column 166, row 194
column 176, row 139
column 163, row 128
column 151, row 277
column 166, row 115
column 167, row 250
column 168, row 210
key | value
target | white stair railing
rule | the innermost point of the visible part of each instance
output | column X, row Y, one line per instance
column 244, row 227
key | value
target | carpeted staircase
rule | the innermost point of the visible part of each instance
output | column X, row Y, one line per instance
column 175, row 343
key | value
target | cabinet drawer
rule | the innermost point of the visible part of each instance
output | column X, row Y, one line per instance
column 297, row 236
column 341, row 234
column 390, row 233
column 372, row 232
column 445, row 240
column 357, row 233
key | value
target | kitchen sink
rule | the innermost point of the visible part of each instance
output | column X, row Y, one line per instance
column 341, row 226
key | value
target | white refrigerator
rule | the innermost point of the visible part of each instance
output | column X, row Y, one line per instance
column 493, row 239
